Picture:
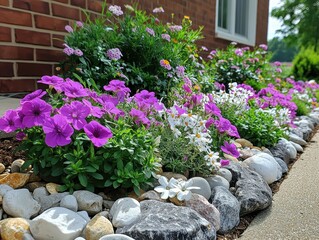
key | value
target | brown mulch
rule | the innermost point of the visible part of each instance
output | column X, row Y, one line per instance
column 8, row 155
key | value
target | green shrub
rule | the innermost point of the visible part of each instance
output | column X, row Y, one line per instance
column 302, row 107
column 306, row 64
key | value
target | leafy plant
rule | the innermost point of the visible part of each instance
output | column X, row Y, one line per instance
column 302, row 107
column 306, row 64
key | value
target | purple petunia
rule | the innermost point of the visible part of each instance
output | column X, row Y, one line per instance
column 36, row 94
column 224, row 162
column 139, row 117
column 98, row 134
column 35, row 112
column 119, row 88
column 145, row 99
column 75, row 113
column 231, row 149
column 73, row 89
column 57, row 131
column 51, row 80
column 10, row 121
column 212, row 109
column 94, row 110
column 110, row 109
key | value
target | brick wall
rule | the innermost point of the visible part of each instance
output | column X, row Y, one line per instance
column 32, row 32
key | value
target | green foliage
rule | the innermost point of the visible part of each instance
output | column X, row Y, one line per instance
column 306, row 64
column 299, row 18
column 281, row 51
column 257, row 126
column 302, row 107
column 142, row 52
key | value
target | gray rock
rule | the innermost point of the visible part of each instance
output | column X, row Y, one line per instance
column 306, row 131
column 57, row 223
column 296, row 139
column 228, row 207
column 297, row 132
column 225, row 173
column 108, row 203
column 204, row 208
column 69, row 201
column 88, row 201
column 50, row 201
column 266, row 166
column 204, row 187
column 283, row 165
column 85, row 215
column 312, row 122
column 125, row 211
column 40, row 192
column 292, row 150
column 27, row 236
column 116, row 237
column 252, row 191
column 19, row 203
column 297, row 146
column 1, row 213
column 79, row 238
column 4, row 188
column 315, row 118
column 165, row 221
column 284, row 150
column 217, row 181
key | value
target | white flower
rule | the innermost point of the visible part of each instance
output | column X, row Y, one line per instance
column 168, row 189
column 211, row 158
column 184, row 188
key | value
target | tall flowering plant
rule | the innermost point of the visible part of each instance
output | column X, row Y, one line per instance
column 84, row 139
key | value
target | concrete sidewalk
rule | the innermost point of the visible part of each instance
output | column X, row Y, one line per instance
column 7, row 103
column 294, row 213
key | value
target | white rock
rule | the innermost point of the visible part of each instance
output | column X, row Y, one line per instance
column 266, row 166
column 56, row 224
column 19, row 203
column 297, row 146
column 225, row 173
column 85, row 215
column 4, row 188
column 204, row 187
column 217, row 180
column 88, row 201
column 125, row 211
column 296, row 139
column 69, row 202
column 116, row 237
column 79, row 238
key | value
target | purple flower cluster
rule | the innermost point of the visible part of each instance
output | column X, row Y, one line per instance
column 165, row 64
column 70, row 51
column 150, row 31
column 116, row 10
column 231, row 149
column 166, row 37
column 175, row 28
column 158, row 10
column 118, row 87
column 114, row 54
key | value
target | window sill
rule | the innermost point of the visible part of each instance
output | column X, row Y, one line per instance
column 235, row 38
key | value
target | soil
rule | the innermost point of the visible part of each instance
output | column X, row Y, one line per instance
column 8, row 154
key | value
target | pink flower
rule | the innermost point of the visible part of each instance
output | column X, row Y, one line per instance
column 68, row 28
column 78, row 52
column 263, row 47
column 150, row 31
column 239, row 52
column 166, row 37
column 79, row 24
column 165, row 64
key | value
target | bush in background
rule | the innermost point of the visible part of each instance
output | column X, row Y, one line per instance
column 306, row 64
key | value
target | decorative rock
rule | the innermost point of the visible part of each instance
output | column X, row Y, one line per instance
column 16, row 165
column 69, row 201
column 31, row 186
column 14, row 228
column 108, row 203
column 169, row 175
column 15, row 180
column 19, row 203
column 296, row 139
column 204, row 187
column 2, row 168
column 238, row 145
column 1, row 213
column 252, row 191
column 157, row 219
column 284, row 150
column 50, row 201
column 52, row 188
column 244, row 142
column 125, row 211
column 105, row 214
column 266, row 166
column 151, row 195
column 292, row 150
column 40, row 192
column 306, row 131
column 228, row 207
column 217, row 181
column 116, row 237
column 297, row 146
column 79, row 238
column 4, row 188
column 87, row 201
column 231, row 158
column 27, row 236
column 225, row 173
column 34, row 178
column 208, row 211
column 266, row 150
column 306, row 120
column 283, row 165
column 297, row 132
column 85, row 215
column 57, row 223
column 246, row 153
column 98, row 227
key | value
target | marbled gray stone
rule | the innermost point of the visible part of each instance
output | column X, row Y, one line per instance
column 52, row 200
column 296, row 139
column 283, row 165
column 284, row 150
column 88, row 201
column 217, row 180
column 228, row 206
column 116, row 237
column 165, row 221
column 225, row 173
column 252, row 191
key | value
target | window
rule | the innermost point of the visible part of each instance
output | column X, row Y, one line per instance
column 236, row 20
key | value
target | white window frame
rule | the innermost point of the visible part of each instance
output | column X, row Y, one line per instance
column 231, row 35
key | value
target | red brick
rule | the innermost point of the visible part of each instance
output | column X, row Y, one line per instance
column 32, row 37
column 65, row 12
column 50, row 23
column 16, row 53
column 17, row 85
column 57, row 40
column 15, row 17
column 6, row 69
column 5, row 34
column 31, row 5
column 62, row 1
column 49, row 55
column 4, row 2
column 79, row 3
column 34, row 69
column 95, row 6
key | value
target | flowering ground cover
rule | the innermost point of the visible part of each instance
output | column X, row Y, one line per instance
column 137, row 97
